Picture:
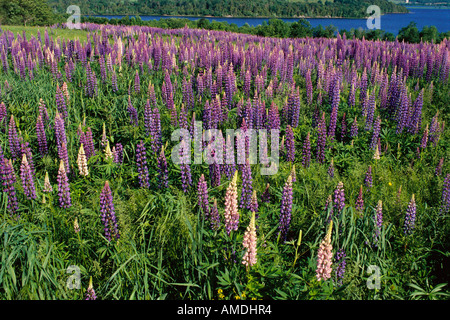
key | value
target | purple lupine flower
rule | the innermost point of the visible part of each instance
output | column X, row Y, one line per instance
column 118, row 153
column 424, row 141
column 415, row 123
column 330, row 170
column 340, row 268
column 410, row 217
column 254, row 203
column 203, row 201
column 108, row 214
column 27, row 179
column 370, row 111
column 438, row 170
column 3, row 113
column 214, row 216
column 141, row 162
column 306, row 160
column 335, row 99
column 132, row 112
column 376, row 133
column 41, row 137
column 359, row 206
column 64, row 156
column 309, row 87
column 354, row 128
column 60, row 130
column 163, row 172
column 63, row 187
column 321, row 139
column 182, row 120
column 13, row 138
column 294, row 107
column 265, row 197
column 368, row 178
column 61, row 102
column 290, row 144
column 8, row 181
column 434, row 132
column 185, row 168
column 155, row 130
column 247, row 186
column 445, row 207
column 339, row 197
column 89, row 144
column 286, row 208
column 378, row 220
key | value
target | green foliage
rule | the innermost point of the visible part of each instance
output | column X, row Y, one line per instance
column 26, row 12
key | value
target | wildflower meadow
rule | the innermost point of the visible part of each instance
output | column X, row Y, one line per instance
column 190, row 164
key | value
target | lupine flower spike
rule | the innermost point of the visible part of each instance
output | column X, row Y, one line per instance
column 90, row 293
column 108, row 213
column 82, row 162
column 231, row 206
column 249, row 243
column 325, row 256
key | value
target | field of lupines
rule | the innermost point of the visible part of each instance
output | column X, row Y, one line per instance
column 362, row 188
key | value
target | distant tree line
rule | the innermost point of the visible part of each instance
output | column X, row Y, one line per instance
column 236, row 8
column 281, row 29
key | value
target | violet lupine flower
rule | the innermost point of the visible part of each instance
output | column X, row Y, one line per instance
column 60, row 130
column 376, row 133
column 424, row 141
column 203, row 201
column 321, row 139
column 155, row 130
column 368, row 178
column 286, row 208
column 410, row 217
column 185, row 168
column 163, row 172
column 214, row 216
column 343, row 127
column 325, row 256
column 438, row 170
column 90, row 293
column 8, row 181
column 141, row 162
column 13, row 139
column 306, row 160
column 445, row 208
column 334, row 108
column 118, row 153
column 63, row 187
column 247, row 186
column 378, row 220
column 265, row 197
column 61, row 102
column 26, row 176
column 359, row 206
column 108, row 214
column 132, row 112
column 340, row 268
column 249, row 259
column 290, row 144
column 231, row 213
column 339, row 197
column 3, row 112
column 354, row 128
column 330, row 170
column 41, row 137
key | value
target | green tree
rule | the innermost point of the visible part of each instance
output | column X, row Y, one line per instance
column 26, row 12
column 410, row 33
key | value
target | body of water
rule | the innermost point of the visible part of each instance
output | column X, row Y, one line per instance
column 392, row 22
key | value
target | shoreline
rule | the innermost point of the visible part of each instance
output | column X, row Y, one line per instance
column 230, row 17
